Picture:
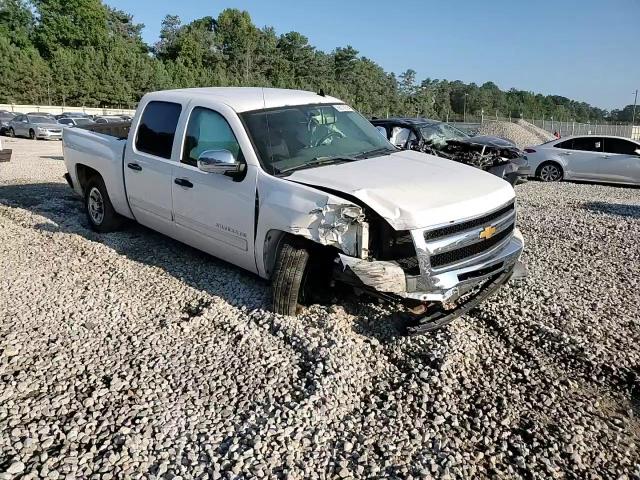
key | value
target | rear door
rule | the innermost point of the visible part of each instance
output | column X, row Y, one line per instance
column 583, row 157
column 214, row 212
column 148, row 165
column 20, row 124
column 620, row 162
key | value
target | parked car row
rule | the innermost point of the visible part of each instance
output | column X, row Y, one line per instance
column 42, row 125
column 595, row 158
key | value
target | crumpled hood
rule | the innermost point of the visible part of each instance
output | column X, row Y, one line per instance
column 413, row 190
column 490, row 141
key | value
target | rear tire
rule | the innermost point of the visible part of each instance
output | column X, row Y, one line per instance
column 12, row 133
column 550, row 172
column 287, row 284
column 100, row 213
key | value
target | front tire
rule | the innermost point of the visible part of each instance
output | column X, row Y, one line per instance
column 550, row 172
column 287, row 284
column 100, row 213
column 12, row 133
column 32, row 135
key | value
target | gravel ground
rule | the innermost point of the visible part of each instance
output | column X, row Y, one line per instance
column 128, row 355
column 523, row 134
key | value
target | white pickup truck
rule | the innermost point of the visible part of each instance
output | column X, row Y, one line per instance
column 299, row 188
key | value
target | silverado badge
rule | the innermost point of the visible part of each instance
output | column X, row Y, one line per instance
column 488, row 232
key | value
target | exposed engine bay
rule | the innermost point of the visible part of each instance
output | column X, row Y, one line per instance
column 480, row 155
column 496, row 155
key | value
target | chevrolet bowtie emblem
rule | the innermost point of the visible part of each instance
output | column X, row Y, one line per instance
column 488, row 232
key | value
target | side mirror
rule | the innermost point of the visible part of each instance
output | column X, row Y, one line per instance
column 218, row 161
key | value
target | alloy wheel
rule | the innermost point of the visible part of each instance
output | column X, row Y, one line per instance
column 95, row 206
column 550, row 173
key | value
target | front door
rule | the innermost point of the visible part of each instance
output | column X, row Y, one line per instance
column 584, row 157
column 148, row 166
column 20, row 126
column 214, row 212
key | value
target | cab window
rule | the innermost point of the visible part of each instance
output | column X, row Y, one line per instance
column 587, row 144
column 617, row 145
column 157, row 128
column 208, row 130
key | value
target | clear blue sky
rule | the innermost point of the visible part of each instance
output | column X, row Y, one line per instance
column 582, row 49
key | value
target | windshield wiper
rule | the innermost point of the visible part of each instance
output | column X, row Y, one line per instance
column 318, row 161
column 375, row 152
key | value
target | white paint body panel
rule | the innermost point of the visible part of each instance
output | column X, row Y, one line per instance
column 414, row 190
column 102, row 153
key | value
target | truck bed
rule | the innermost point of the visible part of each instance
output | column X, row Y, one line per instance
column 85, row 149
column 119, row 130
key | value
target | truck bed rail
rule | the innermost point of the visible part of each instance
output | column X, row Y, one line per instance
column 119, row 130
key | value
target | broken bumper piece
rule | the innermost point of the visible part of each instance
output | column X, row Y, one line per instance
column 450, row 293
column 437, row 316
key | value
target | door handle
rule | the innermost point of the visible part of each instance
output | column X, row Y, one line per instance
column 565, row 153
column 134, row 166
column 606, row 156
column 183, row 182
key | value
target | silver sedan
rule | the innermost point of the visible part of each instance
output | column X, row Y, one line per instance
column 592, row 158
column 35, row 126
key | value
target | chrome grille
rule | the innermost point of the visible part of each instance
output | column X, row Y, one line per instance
column 454, row 245
column 454, row 256
column 461, row 227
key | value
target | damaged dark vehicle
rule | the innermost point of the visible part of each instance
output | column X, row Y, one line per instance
column 495, row 155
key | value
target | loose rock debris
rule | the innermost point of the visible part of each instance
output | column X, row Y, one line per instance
column 129, row 354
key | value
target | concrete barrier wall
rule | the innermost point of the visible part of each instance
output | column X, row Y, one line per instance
column 56, row 109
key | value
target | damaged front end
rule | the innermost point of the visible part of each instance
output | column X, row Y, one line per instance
column 496, row 156
column 440, row 273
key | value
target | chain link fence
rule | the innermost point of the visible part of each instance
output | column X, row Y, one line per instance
column 564, row 128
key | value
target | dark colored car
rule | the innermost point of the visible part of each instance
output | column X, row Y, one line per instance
column 495, row 155
column 72, row 115
column 5, row 118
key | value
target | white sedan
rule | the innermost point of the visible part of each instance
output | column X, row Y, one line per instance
column 594, row 158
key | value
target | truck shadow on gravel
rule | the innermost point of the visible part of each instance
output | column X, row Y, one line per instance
column 65, row 212
column 623, row 210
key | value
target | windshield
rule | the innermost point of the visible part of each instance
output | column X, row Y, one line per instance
column 41, row 119
column 83, row 121
column 439, row 133
column 296, row 137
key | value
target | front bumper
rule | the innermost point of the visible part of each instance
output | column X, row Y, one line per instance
column 49, row 135
column 456, row 270
column 447, row 286
column 437, row 316
column 451, row 284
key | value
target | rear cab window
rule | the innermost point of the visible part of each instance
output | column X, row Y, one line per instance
column 157, row 128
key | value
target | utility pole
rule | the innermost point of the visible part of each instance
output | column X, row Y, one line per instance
column 464, row 116
column 635, row 101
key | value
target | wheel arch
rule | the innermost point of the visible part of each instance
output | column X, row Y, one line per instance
column 551, row 161
column 274, row 239
column 84, row 173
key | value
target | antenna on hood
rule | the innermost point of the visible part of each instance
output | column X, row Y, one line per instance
column 321, row 92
